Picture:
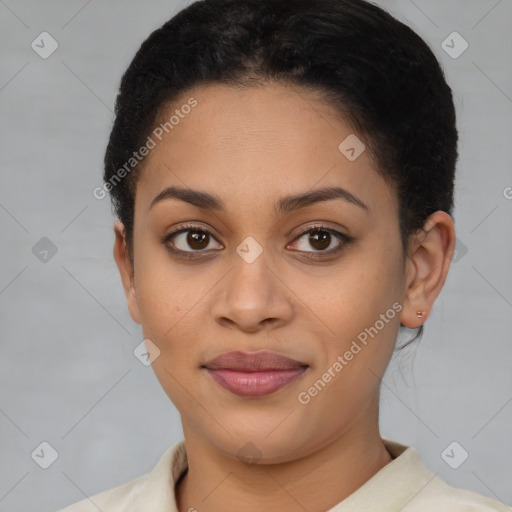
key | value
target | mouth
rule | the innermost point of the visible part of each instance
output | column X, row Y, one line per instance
column 254, row 374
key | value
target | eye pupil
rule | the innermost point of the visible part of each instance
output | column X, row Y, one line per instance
column 323, row 238
column 196, row 239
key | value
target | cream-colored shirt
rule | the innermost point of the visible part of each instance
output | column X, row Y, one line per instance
column 405, row 485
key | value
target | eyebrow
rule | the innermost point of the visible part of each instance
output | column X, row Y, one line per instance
column 286, row 204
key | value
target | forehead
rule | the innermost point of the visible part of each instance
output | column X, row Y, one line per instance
column 258, row 142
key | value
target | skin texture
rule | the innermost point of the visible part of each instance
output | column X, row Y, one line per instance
column 251, row 147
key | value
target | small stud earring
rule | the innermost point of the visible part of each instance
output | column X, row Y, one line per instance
column 420, row 313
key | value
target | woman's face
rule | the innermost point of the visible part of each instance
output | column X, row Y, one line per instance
column 261, row 278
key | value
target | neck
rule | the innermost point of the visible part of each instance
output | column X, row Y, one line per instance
column 217, row 482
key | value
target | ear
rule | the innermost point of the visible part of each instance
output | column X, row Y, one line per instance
column 124, row 264
column 428, row 261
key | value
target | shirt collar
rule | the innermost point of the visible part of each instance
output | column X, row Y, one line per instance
column 391, row 488
column 394, row 486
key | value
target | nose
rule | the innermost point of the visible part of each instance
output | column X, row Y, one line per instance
column 253, row 297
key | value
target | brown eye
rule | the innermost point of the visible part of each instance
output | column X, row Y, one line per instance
column 197, row 240
column 320, row 240
column 190, row 240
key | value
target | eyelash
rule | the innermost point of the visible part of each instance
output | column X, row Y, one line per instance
column 344, row 240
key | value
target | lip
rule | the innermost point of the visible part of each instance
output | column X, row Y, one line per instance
column 254, row 374
column 253, row 361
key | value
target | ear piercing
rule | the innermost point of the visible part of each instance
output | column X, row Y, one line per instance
column 420, row 313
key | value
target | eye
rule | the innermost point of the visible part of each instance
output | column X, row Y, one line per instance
column 190, row 239
column 323, row 240
column 187, row 241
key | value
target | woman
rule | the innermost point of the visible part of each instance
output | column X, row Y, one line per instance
column 283, row 174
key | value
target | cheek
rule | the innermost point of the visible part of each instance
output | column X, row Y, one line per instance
column 167, row 316
column 161, row 291
column 356, row 356
column 364, row 287
column 362, row 310
column 166, row 312
column 162, row 301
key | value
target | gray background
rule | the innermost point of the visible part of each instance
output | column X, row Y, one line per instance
column 68, row 373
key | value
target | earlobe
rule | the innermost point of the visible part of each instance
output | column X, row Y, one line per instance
column 126, row 271
column 427, row 268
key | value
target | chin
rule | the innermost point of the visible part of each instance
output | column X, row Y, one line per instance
column 260, row 448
